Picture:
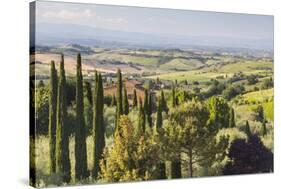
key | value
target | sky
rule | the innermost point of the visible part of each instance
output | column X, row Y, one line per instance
column 157, row 21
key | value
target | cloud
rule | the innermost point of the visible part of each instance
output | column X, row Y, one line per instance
column 71, row 15
column 67, row 15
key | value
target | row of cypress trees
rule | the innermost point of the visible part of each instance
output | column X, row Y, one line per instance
column 59, row 131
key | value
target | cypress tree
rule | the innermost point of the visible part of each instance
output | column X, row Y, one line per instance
column 98, row 125
column 135, row 99
column 52, row 116
column 145, row 105
column 232, row 119
column 159, row 120
column 163, row 102
column 125, row 102
column 149, row 110
column 141, row 118
column 264, row 129
column 161, row 167
column 88, row 109
column 62, row 132
column 176, row 164
column 113, row 100
column 81, row 171
column 119, row 109
column 174, row 102
column 247, row 129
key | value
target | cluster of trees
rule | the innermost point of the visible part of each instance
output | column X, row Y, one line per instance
column 164, row 140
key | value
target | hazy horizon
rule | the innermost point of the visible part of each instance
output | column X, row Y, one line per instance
column 196, row 27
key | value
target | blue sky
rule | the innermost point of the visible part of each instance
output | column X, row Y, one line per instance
column 157, row 21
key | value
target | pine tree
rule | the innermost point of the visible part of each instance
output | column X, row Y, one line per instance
column 232, row 119
column 247, row 129
column 135, row 99
column 62, row 132
column 141, row 118
column 264, row 129
column 52, row 116
column 98, row 125
column 81, row 170
column 113, row 100
column 125, row 102
column 119, row 109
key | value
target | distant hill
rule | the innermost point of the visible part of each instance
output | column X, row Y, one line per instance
column 55, row 34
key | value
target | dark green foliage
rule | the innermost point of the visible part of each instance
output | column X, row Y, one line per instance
column 232, row 119
column 41, row 84
column 52, row 116
column 252, row 79
column 247, row 129
column 267, row 83
column 41, row 110
column 159, row 121
column 141, row 119
column 125, row 102
column 176, row 169
column 174, row 100
column 163, row 102
column 248, row 156
column 259, row 113
column 62, row 131
column 135, row 99
column 119, row 109
column 88, row 109
column 149, row 110
column 98, row 125
column 161, row 167
column 113, row 100
column 264, row 129
column 215, row 88
column 81, row 170
column 145, row 104
column 70, row 92
column 232, row 91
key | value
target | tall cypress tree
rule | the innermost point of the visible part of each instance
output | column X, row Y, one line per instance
column 159, row 120
column 174, row 101
column 88, row 109
column 163, row 102
column 161, row 167
column 125, row 102
column 113, row 100
column 176, row 164
column 62, row 132
column 247, row 129
column 52, row 117
column 232, row 119
column 135, row 99
column 149, row 110
column 81, row 170
column 141, row 118
column 119, row 108
column 98, row 125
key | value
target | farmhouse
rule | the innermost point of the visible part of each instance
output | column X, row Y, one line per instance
column 130, row 86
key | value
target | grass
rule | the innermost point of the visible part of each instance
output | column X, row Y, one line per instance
column 259, row 96
column 247, row 66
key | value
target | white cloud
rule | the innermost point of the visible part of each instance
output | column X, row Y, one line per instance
column 70, row 15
